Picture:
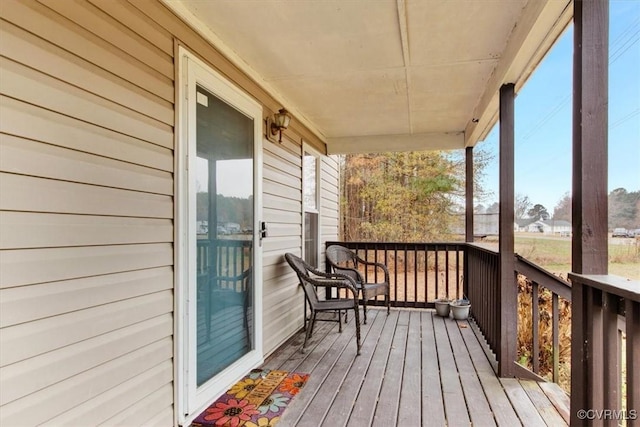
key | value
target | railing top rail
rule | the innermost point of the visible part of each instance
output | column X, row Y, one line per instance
column 483, row 247
column 543, row 277
column 628, row 289
column 224, row 242
column 396, row 244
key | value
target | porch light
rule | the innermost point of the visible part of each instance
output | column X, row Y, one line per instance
column 281, row 121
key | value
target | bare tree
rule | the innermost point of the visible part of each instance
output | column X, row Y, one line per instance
column 522, row 205
column 563, row 208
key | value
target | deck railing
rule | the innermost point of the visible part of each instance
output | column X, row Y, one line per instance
column 543, row 283
column 484, row 292
column 602, row 306
column 602, row 309
column 419, row 272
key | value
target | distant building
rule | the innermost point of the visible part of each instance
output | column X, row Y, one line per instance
column 555, row 226
column 547, row 226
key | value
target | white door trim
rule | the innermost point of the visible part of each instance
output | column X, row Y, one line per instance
column 191, row 400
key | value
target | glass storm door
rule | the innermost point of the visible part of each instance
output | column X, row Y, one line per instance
column 224, row 234
column 223, row 304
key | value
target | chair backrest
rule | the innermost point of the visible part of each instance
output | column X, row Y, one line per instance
column 302, row 270
column 344, row 261
column 339, row 254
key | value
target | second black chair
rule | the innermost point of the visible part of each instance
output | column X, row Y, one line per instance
column 345, row 261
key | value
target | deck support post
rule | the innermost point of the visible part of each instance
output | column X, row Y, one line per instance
column 508, row 286
column 589, row 250
column 469, row 194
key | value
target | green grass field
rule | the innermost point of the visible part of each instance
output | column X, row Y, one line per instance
column 554, row 254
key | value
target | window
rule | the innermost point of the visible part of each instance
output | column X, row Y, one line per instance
column 310, row 205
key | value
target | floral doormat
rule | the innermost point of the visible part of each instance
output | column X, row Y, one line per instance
column 257, row 400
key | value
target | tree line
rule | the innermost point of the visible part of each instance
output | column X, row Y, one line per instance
column 405, row 197
column 419, row 196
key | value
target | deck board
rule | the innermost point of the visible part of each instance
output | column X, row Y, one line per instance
column 415, row 369
column 410, row 413
column 386, row 412
column 454, row 404
column 432, row 402
column 340, row 373
column 477, row 403
column 365, row 404
column 505, row 415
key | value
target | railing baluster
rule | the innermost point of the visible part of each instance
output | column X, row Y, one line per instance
column 458, row 287
column 555, row 337
column 426, row 273
column 446, row 272
column 632, row 326
column 437, row 271
column 535, row 323
column 415, row 277
column 594, row 344
column 406, row 289
column 611, row 355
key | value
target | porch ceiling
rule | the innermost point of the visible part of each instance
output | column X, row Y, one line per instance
column 381, row 75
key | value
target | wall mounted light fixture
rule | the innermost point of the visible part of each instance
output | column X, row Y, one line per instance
column 280, row 122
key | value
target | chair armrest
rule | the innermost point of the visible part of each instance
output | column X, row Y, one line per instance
column 376, row 264
column 352, row 273
column 340, row 281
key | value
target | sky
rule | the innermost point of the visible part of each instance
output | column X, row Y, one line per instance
column 543, row 117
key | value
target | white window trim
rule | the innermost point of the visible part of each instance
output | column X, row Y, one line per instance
column 190, row 399
column 308, row 149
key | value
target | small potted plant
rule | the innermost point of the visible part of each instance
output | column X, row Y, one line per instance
column 442, row 306
column 460, row 309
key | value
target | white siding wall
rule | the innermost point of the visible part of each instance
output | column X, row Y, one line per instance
column 329, row 201
column 86, row 216
column 282, row 210
column 86, row 211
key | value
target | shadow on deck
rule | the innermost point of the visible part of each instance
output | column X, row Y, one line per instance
column 416, row 369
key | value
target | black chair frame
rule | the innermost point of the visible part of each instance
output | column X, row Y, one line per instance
column 344, row 261
column 311, row 279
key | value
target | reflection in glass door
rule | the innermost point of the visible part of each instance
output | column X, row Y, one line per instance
column 224, row 234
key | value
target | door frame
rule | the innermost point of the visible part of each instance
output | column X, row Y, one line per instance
column 190, row 399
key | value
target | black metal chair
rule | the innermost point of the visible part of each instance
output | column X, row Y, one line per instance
column 310, row 280
column 344, row 261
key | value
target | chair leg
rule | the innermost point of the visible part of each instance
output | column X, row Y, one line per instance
column 357, row 326
column 388, row 303
column 364, row 304
column 309, row 330
column 340, row 320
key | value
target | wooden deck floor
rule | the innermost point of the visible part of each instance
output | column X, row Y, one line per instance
column 416, row 369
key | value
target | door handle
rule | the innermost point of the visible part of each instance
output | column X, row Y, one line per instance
column 263, row 230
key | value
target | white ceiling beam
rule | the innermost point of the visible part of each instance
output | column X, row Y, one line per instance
column 404, row 142
column 404, row 40
column 538, row 28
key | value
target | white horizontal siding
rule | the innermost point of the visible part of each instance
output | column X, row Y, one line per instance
column 28, row 303
column 282, row 210
column 80, row 389
column 27, row 157
column 39, row 124
column 86, row 214
column 329, row 203
column 87, row 206
column 31, row 266
column 59, row 31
